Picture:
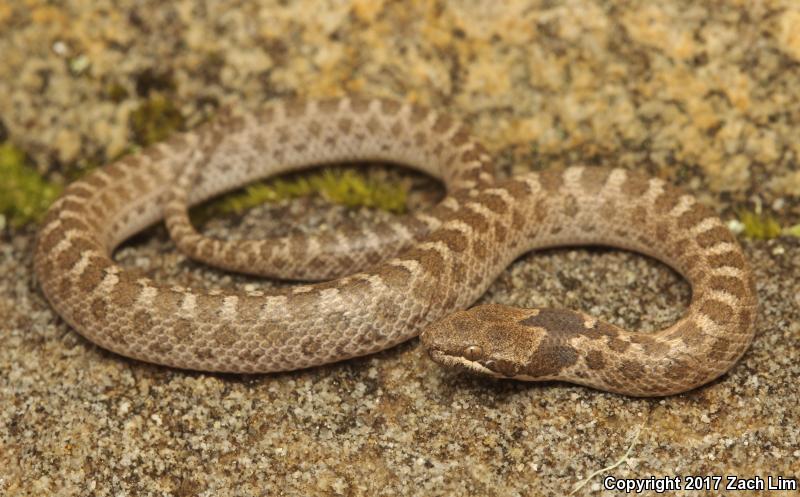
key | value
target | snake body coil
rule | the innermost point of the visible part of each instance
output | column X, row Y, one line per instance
column 434, row 263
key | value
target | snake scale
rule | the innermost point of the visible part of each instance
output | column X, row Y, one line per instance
column 414, row 275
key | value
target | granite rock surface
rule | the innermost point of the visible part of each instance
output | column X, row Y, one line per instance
column 704, row 95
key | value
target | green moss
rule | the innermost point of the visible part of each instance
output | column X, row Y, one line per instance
column 155, row 119
column 792, row 231
column 24, row 194
column 346, row 187
column 759, row 225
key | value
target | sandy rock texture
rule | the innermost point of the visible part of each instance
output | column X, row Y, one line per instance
column 703, row 94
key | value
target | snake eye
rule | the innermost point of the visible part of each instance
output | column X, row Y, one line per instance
column 473, row 352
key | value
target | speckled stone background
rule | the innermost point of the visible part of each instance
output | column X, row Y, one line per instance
column 705, row 94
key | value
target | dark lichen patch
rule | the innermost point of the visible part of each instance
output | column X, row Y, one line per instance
column 116, row 92
column 155, row 119
column 152, row 80
column 24, row 193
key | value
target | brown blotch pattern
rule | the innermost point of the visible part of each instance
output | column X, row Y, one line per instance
column 662, row 232
column 283, row 135
column 126, row 290
column 635, row 185
column 267, row 114
column 303, row 300
column 107, row 201
column 314, row 129
column 139, row 184
column 359, row 105
column 442, row 124
column 570, row 206
column 500, row 233
column 420, row 139
column 519, row 190
column 310, row 345
column 730, row 284
column 493, row 202
column 345, row 124
column 517, row 221
column 160, row 346
column 390, row 107
column 667, row 201
column 470, row 155
column 726, row 259
column 418, row 113
column 99, row 309
column 69, row 257
column 429, row 259
column 714, row 236
column 608, row 209
column 397, row 128
column 458, row 271
column 117, row 170
column 74, row 190
column 557, row 321
column 295, row 108
column 649, row 344
column 461, row 137
column 595, row 360
column 551, row 181
column 298, row 246
column 224, row 336
column 71, row 223
column 717, row 311
column 143, row 319
column 688, row 332
column 154, row 153
column 631, row 369
column 639, row 215
column 182, row 329
column 384, row 230
column 593, row 179
column 719, row 348
column 745, row 319
column 396, row 276
column 676, row 371
column 618, row 345
column 454, row 239
column 550, row 358
column 123, row 193
column 479, row 249
column 692, row 217
column 329, row 105
column 373, row 125
column 474, row 220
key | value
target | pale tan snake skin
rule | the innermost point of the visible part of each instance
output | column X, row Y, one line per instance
column 474, row 233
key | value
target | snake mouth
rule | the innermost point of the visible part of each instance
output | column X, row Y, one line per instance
column 461, row 363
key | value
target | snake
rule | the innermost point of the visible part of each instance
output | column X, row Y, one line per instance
column 414, row 275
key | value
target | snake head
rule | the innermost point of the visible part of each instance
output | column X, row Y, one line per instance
column 487, row 340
